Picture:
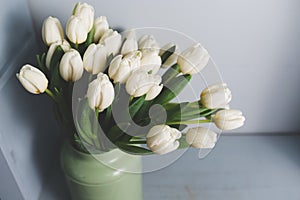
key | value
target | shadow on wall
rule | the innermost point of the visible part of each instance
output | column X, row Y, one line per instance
column 31, row 138
column 16, row 32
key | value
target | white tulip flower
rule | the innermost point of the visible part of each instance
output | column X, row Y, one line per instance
column 71, row 66
column 216, row 96
column 63, row 44
column 121, row 67
column 200, row 137
column 101, row 25
column 94, row 58
column 32, row 79
column 130, row 43
column 229, row 119
column 86, row 13
column 52, row 31
column 193, row 59
column 148, row 43
column 172, row 60
column 112, row 40
column 129, row 34
column 162, row 139
column 100, row 93
column 140, row 82
column 76, row 30
column 150, row 62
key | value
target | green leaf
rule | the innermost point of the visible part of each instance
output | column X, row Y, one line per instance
column 107, row 116
column 83, row 134
column 117, row 90
column 117, row 132
column 41, row 64
column 83, row 120
column 136, row 105
column 109, row 59
column 172, row 89
column 168, row 53
column 170, row 74
column 183, row 111
column 209, row 112
column 175, row 111
column 90, row 37
column 56, row 57
column 55, row 78
column 134, row 149
column 142, row 116
column 43, row 60
column 137, row 142
column 74, row 9
column 175, row 107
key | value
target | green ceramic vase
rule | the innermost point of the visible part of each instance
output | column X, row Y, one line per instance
column 112, row 175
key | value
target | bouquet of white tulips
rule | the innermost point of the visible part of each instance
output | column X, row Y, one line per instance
column 124, row 85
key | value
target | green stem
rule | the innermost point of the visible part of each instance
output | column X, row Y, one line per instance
column 95, row 129
column 137, row 138
column 138, row 142
column 191, row 122
column 209, row 113
column 130, row 99
column 50, row 94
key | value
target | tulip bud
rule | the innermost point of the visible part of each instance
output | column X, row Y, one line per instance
column 112, row 40
column 216, row 96
column 100, row 92
column 200, row 137
column 193, row 59
column 130, row 44
column 63, row 44
column 32, row 79
column 76, row 30
column 148, row 43
column 52, row 31
column 129, row 34
column 172, row 60
column 94, row 58
column 121, row 67
column 162, row 139
column 101, row 25
column 141, row 82
column 71, row 66
column 85, row 12
column 229, row 119
column 150, row 62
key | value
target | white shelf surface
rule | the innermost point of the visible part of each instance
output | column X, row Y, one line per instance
column 239, row 168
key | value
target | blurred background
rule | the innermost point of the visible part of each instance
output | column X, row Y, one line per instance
column 256, row 46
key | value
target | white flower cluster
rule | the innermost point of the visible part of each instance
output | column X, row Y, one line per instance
column 132, row 62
